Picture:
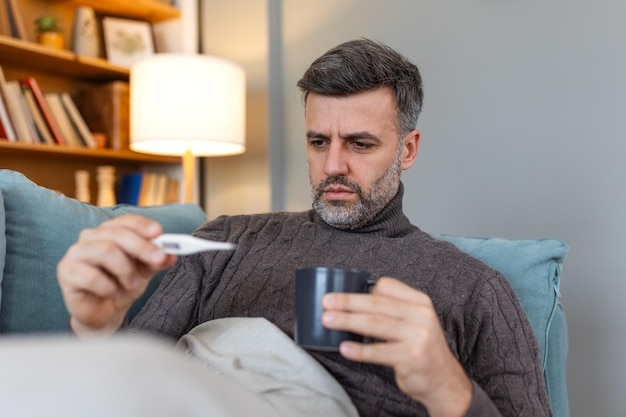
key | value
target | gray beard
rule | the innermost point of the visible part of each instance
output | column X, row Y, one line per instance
column 352, row 215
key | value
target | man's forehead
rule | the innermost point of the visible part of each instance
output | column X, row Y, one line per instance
column 372, row 111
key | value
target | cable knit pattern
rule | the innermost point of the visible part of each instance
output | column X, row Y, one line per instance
column 483, row 321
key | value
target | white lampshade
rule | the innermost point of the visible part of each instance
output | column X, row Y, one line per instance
column 187, row 103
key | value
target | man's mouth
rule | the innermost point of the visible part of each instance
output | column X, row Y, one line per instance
column 335, row 192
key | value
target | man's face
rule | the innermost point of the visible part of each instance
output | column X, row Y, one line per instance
column 354, row 155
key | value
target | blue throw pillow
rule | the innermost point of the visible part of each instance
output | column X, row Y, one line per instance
column 533, row 268
column 40, row 226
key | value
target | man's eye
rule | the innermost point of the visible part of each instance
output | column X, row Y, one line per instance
column 361, row 145
column 317, row 142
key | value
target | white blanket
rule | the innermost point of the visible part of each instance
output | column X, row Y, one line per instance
column 125, row 376
column 253, row 370
column 260, row 357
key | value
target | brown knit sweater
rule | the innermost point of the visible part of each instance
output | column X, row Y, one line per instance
column 483, row 321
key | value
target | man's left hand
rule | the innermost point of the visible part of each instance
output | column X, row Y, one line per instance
column 412, row 343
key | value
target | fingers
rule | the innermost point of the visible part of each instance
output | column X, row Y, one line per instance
column 394, row 288
column 411, row 341
column 132, row 234
column 427, row 372
column 394, row 312
column 143, row 226
column 123, row 257
column 108, row 268
column 111, row 255
column 101, row 285
column 384, row 354
column 403, row 323
column 389, row 297
column 104, row 272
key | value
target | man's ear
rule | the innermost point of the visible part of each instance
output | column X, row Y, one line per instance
column 410, row 148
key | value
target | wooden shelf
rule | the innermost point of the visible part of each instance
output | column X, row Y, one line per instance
column 150, row 10
column 54, row 167
column 32, row 56
column 32, row 151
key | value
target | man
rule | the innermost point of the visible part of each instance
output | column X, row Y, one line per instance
column 446, row 335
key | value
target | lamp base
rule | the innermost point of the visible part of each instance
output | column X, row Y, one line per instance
column 189, row 175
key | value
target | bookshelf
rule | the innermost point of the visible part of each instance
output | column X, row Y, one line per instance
column 30, row 56
column 63, row 70
column 150, row 10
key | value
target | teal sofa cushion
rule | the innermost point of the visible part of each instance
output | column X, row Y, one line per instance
column 40, row 226
column 3, row 243
column 534, row 268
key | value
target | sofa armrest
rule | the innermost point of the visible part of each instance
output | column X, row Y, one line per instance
column 40, row 226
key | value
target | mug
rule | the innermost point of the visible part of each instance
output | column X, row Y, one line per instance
column 311, row 285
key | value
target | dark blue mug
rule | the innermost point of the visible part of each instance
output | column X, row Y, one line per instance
column 311, row 285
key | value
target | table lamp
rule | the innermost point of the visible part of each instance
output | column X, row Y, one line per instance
column 187, row 105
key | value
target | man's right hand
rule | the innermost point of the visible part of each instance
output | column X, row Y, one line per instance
column 107, row 269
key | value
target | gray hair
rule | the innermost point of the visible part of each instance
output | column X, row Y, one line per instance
column 361, row 65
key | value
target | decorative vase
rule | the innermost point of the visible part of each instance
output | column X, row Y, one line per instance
column 82, row 185
column 85, row 37
column 51, row 39
column 106, row 185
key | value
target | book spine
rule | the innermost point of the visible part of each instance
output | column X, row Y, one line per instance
column 130, row 184
column 5, row 24
column 20, row 115
column 55, row 130
column 5, row 122
column 160, row 189
column 77, row 120
column 146, row 191
column 38, row 119
column 13, row 109
column 16, row 19
column 62, row 118
column 105, row 108
column 3, row 133
column 35, row 136
column 172, row 194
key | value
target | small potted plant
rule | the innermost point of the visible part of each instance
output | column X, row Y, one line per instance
column 48, row 32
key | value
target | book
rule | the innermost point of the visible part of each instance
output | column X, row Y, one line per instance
column 106, row 109
column 24, row 125
column 35, row 135
column 130, row 186
column 16, row 19
column 5, row 24
column 172, row 194
column 13, row 109
column 147, row 189
column 60, row 115
column 6, row 127
column 77, row 120
column 160, row 189
column 166, row 190
column 53, row 126
column 38, row 119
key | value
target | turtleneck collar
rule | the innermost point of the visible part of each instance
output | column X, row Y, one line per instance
column 389, row 222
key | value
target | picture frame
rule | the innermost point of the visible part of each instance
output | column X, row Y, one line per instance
column 126, row 41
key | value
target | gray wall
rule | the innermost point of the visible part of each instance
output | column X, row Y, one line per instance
column 523, row 137
column 238, row 30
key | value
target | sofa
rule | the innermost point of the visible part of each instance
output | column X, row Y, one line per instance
column 37, row 226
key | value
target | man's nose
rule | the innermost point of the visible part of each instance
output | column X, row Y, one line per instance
column 336, row 163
